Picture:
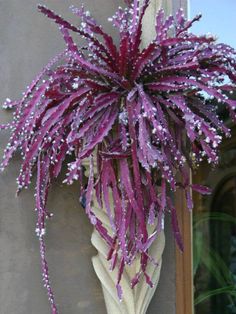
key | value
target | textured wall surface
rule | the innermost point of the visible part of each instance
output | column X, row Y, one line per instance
column 27, row 42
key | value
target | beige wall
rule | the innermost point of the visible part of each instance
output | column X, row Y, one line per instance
column 27, row 41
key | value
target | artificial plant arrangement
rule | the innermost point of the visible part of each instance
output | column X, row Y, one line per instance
column 139, row 114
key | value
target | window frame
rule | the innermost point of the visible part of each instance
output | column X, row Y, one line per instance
column 184, row 260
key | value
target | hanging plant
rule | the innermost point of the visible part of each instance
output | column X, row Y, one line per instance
column 140, row 115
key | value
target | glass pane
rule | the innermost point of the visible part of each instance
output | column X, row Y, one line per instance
column 216, row 238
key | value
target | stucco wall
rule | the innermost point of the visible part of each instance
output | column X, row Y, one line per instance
column 27, row 41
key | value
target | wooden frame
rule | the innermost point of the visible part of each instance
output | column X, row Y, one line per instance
column 184, row 261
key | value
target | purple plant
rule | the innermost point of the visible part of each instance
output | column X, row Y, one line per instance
column 141, row 116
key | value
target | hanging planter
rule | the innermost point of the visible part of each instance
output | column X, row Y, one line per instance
column 139, row 115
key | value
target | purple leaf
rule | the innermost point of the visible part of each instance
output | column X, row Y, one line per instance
column 201, row 189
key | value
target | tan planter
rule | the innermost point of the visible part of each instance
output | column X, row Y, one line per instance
column 137, row 300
